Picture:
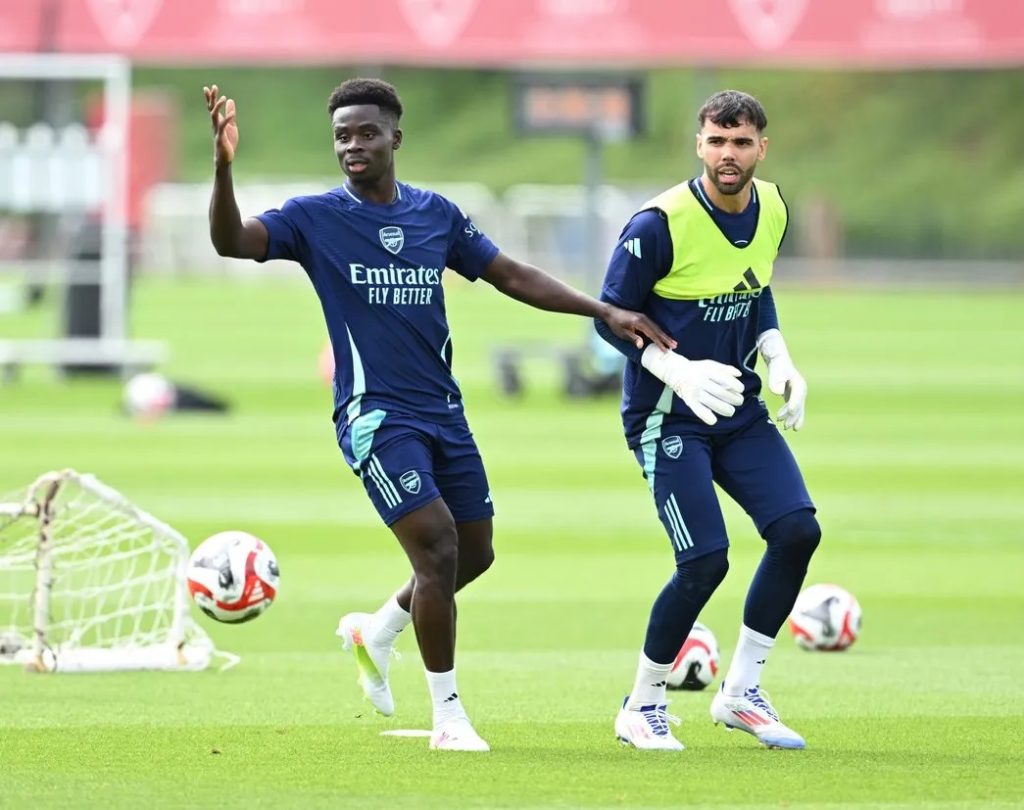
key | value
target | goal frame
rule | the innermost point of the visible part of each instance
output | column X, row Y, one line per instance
column 111, row 346
column 186, row 646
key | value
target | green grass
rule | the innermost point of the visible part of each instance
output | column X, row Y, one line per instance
column 913, row 450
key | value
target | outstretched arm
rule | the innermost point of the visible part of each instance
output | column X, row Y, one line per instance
column 533, row 286
column 229, row 234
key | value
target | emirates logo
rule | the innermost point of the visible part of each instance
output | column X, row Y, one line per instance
column 437, row 23
column 123, row 22
column 768, row 23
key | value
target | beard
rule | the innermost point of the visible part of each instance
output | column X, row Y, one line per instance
column 730, row 188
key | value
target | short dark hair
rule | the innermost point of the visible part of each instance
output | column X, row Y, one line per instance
column 366, row 91
column 730, row 108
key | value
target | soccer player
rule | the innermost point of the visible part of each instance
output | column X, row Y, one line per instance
column 698, row 259
column 375, row 250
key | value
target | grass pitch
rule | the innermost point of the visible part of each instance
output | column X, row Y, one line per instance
column 913, row 451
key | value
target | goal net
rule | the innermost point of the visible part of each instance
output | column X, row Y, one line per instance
column 90, row 582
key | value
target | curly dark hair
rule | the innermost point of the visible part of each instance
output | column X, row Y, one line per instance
column 366, row 91
column 730, row 108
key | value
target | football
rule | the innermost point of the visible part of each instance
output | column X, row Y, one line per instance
column 233, row 577
column 148, row 396
column 697, row 663
column 825, row 617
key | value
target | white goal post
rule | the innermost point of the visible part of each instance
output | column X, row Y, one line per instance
column 91, row 583
column 73, row 174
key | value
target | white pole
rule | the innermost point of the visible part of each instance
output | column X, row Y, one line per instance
column 114, row 244
column 44, row 571
column 112, row 156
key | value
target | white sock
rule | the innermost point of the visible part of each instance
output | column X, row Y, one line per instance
column 390, row 620
column 444, row 696
column 751, row 653
column 649, row 686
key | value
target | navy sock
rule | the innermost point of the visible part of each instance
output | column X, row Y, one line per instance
column 680, row 602
column 791, row 540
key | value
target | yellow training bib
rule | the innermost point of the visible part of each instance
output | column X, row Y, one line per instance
column 704, row 262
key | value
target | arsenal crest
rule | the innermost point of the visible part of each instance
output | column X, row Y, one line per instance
column 768, row 23
column 410, row 481
column 123, row 22
column 392, row 238
column 437, row 22
column 673, row 446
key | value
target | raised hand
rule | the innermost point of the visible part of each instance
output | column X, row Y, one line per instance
column 225, row 127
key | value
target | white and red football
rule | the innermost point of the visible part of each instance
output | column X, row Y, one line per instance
column 825, row 617
column 697, row 662
column 233, row 577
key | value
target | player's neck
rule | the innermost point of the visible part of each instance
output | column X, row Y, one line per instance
column 383, row 191
column 730, row 203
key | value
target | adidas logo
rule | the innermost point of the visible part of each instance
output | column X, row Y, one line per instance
column 660, row 684
column 451, row 697
column 633, row 246
column 751, row 279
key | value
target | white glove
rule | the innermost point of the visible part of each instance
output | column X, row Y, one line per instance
column 783, row 378
column 707, row 387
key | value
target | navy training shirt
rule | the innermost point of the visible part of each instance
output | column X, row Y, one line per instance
column 724, row 328
column 377, row 270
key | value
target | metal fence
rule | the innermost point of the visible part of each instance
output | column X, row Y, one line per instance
column 545, row 225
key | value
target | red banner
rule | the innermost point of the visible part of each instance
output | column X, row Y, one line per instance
column 831, row 33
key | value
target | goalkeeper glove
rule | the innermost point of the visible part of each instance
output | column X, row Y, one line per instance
column 707, row 387
column 783, row 378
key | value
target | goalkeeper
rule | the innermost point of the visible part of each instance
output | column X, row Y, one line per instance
column 698, row 260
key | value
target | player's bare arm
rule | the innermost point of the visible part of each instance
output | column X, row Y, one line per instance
column 229, row 234
column 533, row 286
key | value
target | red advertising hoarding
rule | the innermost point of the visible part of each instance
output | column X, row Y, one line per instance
column 501, row 33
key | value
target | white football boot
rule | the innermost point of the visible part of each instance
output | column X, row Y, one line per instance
column 753, row 713
column 457, row 735
column 357, row 636
column 647, row 727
